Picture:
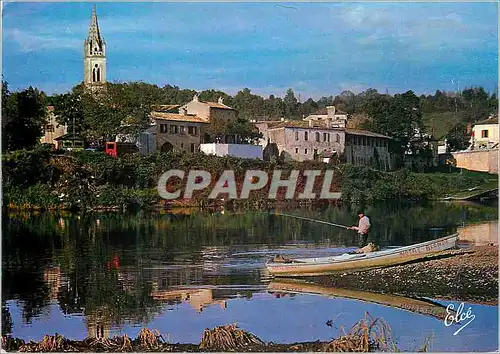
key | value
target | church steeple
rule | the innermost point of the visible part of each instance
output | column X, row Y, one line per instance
column 94, row 54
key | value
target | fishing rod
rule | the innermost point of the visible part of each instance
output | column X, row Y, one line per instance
column 313, row 220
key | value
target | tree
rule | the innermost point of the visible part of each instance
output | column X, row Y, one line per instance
column 290, row 103
column 245, row 131
column 398, row 117
column 68, row 109
column 25, row 116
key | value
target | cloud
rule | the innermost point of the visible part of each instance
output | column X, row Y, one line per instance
column 29, row 42
column 315, row 48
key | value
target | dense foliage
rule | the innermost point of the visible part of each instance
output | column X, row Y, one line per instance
column 23, row 118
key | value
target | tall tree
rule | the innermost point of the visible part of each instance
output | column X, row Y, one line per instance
column 25, row 114
column 290, row 102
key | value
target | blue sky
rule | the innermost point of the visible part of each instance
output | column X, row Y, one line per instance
column 318, row 49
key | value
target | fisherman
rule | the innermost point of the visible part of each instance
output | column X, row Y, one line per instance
column 363, row 228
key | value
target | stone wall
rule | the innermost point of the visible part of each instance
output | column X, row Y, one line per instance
column 180, row 141
column 301, row 149
column 477, row 160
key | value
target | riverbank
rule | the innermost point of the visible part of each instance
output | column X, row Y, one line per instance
column 367, row 335
column 469, row 274
column 39, row 179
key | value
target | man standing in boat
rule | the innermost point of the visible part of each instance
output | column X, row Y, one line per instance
column 363, row 228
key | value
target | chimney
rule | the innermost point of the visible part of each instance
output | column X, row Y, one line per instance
column 183, row 111
column 221, row 100
column 311, row 123
column 330, row 111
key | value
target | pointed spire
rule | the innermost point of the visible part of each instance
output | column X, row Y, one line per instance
column 94, row 33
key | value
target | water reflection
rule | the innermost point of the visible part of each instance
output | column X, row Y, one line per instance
column 121, row 270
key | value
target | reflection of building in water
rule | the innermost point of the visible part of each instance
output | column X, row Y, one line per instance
column 480, row 234
column 183, row 275
column 197, row 298
column 98, row 325
column 52, row 277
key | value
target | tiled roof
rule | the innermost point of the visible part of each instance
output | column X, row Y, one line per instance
column 218, row 105
column 300, row 124
column 165, row 107
column 177, row 117
column 366, row 133
column 491, row 120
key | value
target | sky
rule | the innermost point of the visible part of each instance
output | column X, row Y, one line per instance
column 317, row 49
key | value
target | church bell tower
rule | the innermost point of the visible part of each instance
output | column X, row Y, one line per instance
column 94, row 59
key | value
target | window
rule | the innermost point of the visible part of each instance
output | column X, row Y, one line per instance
column 192, row 147
column 182, row 129
column 173, row 129
column 328, row 136
column 315, row 152
column 317, row 137
column 297, row 135
column 182, row 145
column 296, row 150
column 484, row 133
column 325, row 136
column 337, row 138
column 305, row 151
column 306, row 136
column 49, row 128
column 163, row 128
column 192, row 130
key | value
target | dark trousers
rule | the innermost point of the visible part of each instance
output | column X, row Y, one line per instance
column 363, row 240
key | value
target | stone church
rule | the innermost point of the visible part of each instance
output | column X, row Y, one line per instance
column 94, row 59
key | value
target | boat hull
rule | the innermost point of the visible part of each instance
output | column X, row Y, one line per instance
column 332, row 265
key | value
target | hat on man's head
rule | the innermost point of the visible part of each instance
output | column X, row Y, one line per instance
column 360, row 212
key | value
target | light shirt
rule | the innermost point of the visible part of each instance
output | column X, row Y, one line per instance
column 364, row 225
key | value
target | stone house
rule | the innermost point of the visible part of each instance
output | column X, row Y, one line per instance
column 315, row 138
column 365, row 148
column 485, row 134
column 52, row 129
column 302, row 141
column 178, row 131
column 209, row 111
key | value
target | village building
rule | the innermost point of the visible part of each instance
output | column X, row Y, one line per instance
column 209, row 111
column 324, row 136
column 52, row 129
column 178, row 131
column 303, row 141
column 485, row 134
column 365, row 148
column 482, row 154
column 70, row 142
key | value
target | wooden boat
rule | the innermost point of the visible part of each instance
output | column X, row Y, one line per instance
column 415, row 305
column 348, row 262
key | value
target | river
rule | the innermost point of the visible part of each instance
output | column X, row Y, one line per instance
column 104, row 274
